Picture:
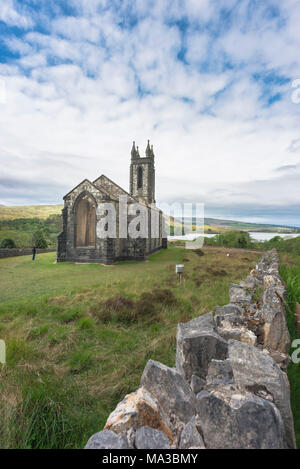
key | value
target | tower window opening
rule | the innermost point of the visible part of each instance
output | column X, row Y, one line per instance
column 140, row 178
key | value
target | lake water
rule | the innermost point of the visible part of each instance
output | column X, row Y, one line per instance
column 266, row 236
column 254, row 235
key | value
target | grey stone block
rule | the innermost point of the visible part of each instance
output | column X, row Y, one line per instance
column 197, row 344
column 149, row 438
column 107, row 440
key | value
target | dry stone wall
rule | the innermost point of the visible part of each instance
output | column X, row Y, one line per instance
column 21, row 252
column 229, row 388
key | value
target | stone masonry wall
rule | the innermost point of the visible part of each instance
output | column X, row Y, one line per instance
column 229, row 388
column 21, row 252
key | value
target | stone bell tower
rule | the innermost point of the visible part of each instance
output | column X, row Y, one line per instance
column 142, row 175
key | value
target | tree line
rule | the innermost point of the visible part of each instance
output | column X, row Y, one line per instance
column 28, row 232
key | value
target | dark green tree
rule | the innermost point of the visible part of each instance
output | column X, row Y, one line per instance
column 39, row 241
column 7, row 243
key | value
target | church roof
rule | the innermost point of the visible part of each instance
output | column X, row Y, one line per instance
column 83, row 182
column 107, row 187
column 111, row 188
column 114, row 190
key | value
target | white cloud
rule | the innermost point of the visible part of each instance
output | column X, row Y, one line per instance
column 17, row 45
column 76, row 29
column 91, row 87
column 197, row 47
column 33, row 61
column 10, row 15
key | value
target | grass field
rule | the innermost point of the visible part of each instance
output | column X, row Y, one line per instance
column 290, row 272
column 78, row 336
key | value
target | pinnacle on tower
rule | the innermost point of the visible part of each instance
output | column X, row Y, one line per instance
column 137, row 152
column 148, row 150
column 133, row 151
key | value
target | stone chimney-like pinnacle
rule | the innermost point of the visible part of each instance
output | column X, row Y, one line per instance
column 148, row 150
column 133, row 151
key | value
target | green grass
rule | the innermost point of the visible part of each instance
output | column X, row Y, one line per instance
column 291, row 276
column 79, row 336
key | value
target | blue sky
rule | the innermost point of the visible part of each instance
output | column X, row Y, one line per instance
column 209, row 82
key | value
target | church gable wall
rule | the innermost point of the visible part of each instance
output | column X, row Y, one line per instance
column 111, row 188
column 68, row 249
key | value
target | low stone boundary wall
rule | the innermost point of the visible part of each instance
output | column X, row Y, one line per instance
column 229, row 388
column 21, row 252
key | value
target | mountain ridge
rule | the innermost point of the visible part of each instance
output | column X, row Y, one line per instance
column 211, row 225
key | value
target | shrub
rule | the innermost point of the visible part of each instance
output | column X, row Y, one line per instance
column 199, row 252
column 38, row 332
column 117, row 308
column 85, row 323
column 81, row 360
column 233, row 239
column 39, row 240
column 125, row 310
column 70, row 315
column 8, row 243
column 242, row 239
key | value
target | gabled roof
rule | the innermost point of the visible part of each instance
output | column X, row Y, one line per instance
column 102, row 179
column 82, row 182
column 99, row 185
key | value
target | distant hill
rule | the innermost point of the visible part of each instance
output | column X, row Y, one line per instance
column 218, row 225
column 211, row 225
column 29, row 211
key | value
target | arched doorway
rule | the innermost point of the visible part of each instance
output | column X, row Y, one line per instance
column 85, row 222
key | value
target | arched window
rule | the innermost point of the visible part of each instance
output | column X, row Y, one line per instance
column 85, row 223
column 140, row 178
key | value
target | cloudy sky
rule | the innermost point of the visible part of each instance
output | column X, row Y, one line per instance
column 214, row 84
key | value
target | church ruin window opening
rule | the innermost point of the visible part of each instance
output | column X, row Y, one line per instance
column 140, row 178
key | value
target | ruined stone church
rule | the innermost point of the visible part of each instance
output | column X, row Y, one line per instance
column 102, row 223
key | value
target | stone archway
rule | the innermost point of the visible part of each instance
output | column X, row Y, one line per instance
column 85, row 222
